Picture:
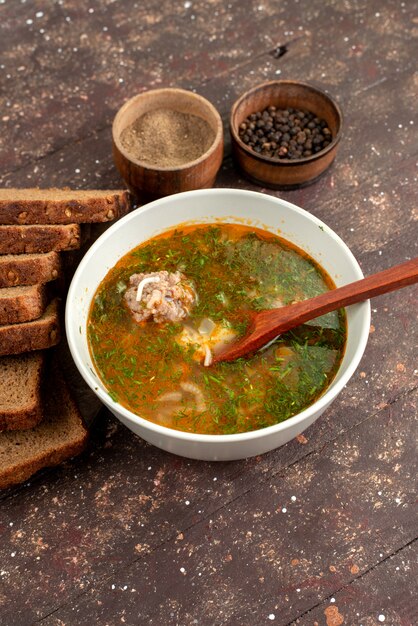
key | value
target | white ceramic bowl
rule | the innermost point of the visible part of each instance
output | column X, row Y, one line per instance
column 205, row 206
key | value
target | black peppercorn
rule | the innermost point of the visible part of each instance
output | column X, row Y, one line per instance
column 285, row 133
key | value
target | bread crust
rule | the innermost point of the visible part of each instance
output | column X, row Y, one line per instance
column 22, row 304
column 36, row 335
column 17, row 371
column 30, row 239
column 58, row 206
column 18, row 474
column 29, row 269
column 61, row 435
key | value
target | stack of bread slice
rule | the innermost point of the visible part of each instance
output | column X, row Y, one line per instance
column 39, row 423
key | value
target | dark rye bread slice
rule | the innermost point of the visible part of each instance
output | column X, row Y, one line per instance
column 61, row 206
column 22, row 304
column 60, row 435
column 36, row 335
column 39, row 238
column 29, row 269
column 20, row 390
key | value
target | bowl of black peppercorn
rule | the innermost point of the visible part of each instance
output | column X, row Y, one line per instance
column 284, row 133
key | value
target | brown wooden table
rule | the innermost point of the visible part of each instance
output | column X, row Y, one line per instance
column 322, row 530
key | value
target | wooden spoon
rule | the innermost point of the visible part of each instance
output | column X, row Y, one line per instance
column 268, row 324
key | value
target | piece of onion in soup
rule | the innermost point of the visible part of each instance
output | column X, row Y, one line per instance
column 206, row 345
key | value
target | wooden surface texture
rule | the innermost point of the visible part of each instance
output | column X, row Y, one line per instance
column 323, row 530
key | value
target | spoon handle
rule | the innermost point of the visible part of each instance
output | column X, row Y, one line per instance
column 375, row 285
column 266, row 325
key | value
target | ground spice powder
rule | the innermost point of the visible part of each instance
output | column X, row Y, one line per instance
column 167, row 138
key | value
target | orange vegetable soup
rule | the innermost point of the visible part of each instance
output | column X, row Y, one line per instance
column 168, row 306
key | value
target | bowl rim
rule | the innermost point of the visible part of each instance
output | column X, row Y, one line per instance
column 218, row 139
column 319, row 405
column 285, row 162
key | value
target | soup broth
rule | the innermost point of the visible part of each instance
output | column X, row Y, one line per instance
column 170, row 304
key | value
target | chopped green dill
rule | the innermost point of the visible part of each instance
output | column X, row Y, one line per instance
column 120, row 286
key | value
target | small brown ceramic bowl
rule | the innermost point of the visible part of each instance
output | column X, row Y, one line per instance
column 149, row 182
column 284, row 173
